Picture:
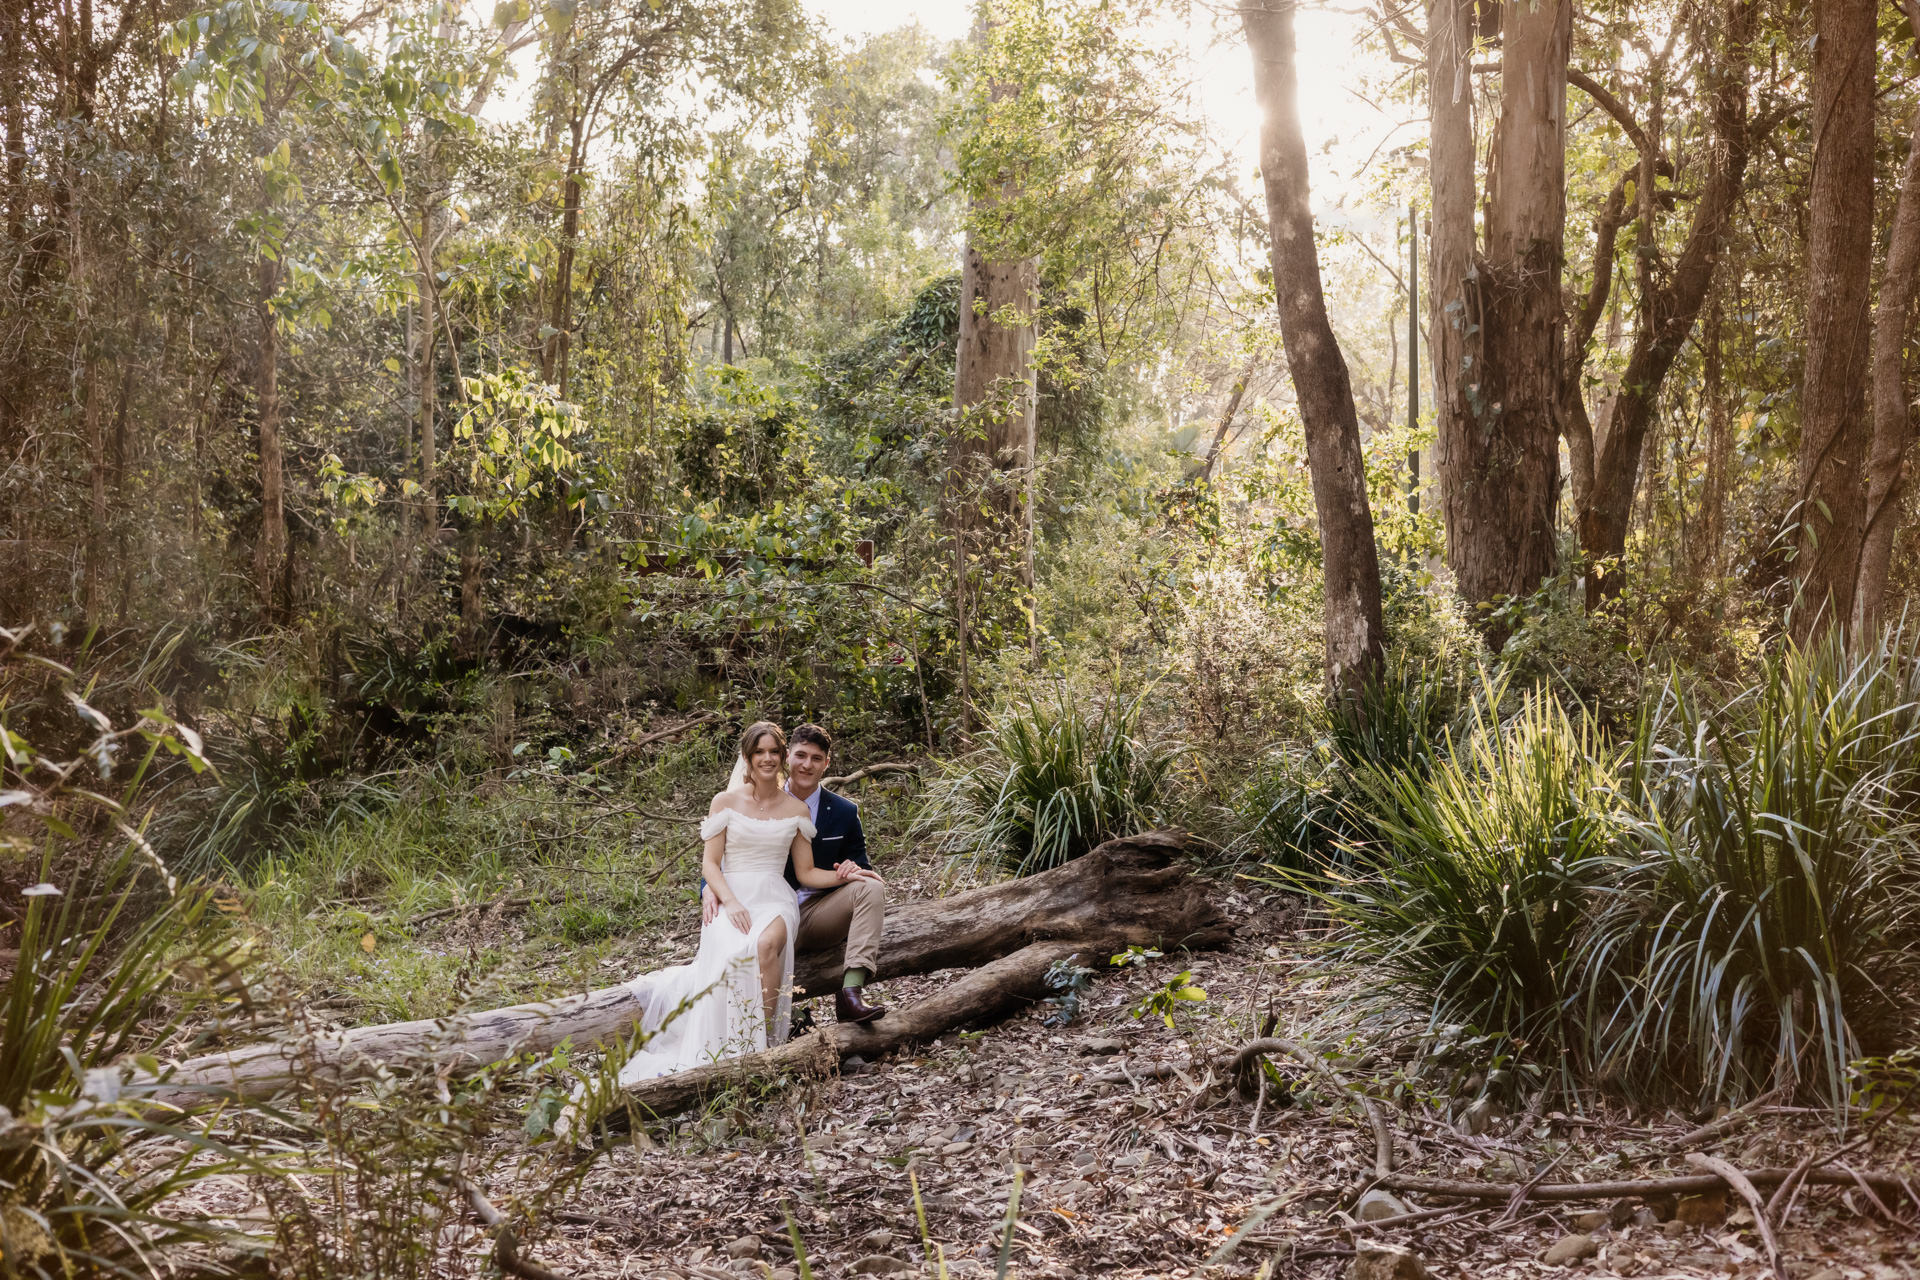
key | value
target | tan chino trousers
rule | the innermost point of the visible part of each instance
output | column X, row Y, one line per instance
column 854, row 914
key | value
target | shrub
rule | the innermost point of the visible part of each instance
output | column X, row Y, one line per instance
column 1050, row 781
column 1469, row 890
column 1299, row 808
column 111, row 956
column 1774, row 884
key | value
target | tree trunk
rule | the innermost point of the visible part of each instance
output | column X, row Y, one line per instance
column 1713, row 498
column 1128, row 891
column 1203, row 469
column 270, row 548
column 994, row 384
column 93, row 583
column 1833, row 422
column 1892, row 409
column 1506, row 457
column 426, row 386
column 1668, row 309
column 1320, row 380
column 1497, row 316
column 555, row 350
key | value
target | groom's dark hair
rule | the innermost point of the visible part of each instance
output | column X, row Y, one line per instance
column 814, row 734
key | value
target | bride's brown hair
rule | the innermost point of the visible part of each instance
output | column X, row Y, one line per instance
column 758, row 730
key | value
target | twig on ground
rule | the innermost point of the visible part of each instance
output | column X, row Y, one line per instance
column 1382, row 1135
column 1682, row 1184
column 1748, row 1192
column 1446, row 1211
column 1860, row 1181
column 1519, row 1198
column 498, row 904
column 1788, row 1192
column 506, row 1246
column 1732, row 1120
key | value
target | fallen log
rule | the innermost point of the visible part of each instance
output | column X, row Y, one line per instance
column 1681, row 1185
column 993, row 991
column 1132, row 890
column 1129, row 891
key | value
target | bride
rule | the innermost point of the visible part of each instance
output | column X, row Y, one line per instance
column 736, row 996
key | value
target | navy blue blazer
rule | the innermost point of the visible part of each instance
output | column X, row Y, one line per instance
column 837, row 836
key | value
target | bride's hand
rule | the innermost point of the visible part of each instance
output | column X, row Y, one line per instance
column 709, row 904
column 740, row 918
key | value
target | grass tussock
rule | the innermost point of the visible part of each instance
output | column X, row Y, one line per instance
column 1722, row 901
column 1050, row 780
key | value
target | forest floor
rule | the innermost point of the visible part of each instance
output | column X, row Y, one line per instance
column 1160, row 1177
column 1135, row 1159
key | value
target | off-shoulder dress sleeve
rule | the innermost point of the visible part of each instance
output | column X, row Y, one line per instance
column 804, row 826
column 715, row 823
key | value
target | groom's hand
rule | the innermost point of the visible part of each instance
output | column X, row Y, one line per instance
column 709, row 905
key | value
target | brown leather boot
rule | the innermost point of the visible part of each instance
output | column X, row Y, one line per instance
column 850, row 1005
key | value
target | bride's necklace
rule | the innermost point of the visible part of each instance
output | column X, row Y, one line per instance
column 762, row 806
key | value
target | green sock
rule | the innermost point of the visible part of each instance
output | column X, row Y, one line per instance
column 854, row 978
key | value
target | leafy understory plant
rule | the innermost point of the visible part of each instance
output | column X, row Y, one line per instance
column 1051, row 780
column 1163, row 1000
column 1471, row 896
column 1768, row 905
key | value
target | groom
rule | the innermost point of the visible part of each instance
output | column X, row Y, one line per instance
column 851, row 913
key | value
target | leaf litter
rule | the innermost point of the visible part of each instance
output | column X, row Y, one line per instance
column 1138, row 1157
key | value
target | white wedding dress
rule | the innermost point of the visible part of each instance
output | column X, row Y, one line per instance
column 723, row 1015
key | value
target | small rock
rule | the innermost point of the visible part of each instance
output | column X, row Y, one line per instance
column 699, row 1255
column 1570, row 1249
column 1378, row 1204
column 1375, row 1261
column 877, row 1241
column 1706, row 1210
column 1084, row 1159
column 955, row 1148
column 1828, row 1273
column 1592, row 1220
column 881, row 1264
column 785, row 1273
column 1101, row 1046
column 1674, row 1228
column 1131, row 1160
column 718, row 1130
column 853, row 1064
column 1662, row 1207
column 1644, row 1217
column 744, row 1247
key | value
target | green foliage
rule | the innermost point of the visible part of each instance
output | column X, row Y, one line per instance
column 1721, row 901
column 1301, row 809
column 1069, row 981
column 1050, row 781
column 519, row 438
column 1169, row 996
column 1472, row 892
column 1771, row 892
column 111, row 957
